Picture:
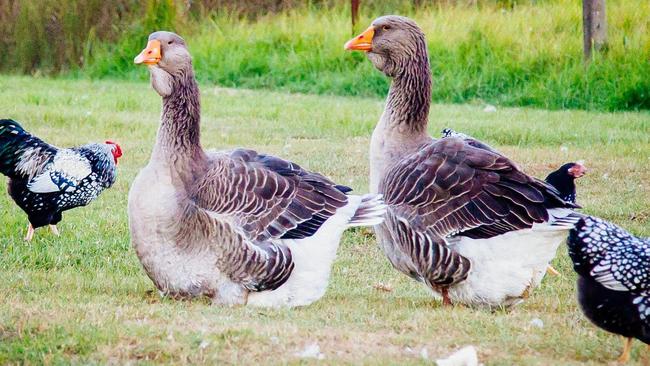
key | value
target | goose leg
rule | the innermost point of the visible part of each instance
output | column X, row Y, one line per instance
column 30, row 233
column 54, row 230
column 627, row 346
column 446, row 301
column 552, row 271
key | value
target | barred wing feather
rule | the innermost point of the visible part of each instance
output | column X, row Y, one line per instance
column 450, row 187
column 267, row 199
column 63, row 174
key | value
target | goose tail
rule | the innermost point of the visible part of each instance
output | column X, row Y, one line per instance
column 370, row 212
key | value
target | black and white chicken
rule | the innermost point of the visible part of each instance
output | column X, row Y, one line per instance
column 613, row 269
column 45, row 180
column 564, row 178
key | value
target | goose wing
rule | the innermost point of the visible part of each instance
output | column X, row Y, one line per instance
column 268, row 197
column 448, row 132
column 264, row 199
column 450, row 187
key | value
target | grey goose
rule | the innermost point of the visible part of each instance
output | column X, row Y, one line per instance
column 239, row 227
column 461, row 218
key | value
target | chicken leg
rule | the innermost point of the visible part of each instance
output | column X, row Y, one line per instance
column 627, row 346
column 54, row 230
column 552, row 271
column 30, row 233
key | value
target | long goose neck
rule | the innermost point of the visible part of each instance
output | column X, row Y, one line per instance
column 409, row 98
column 402, row 128
column 179, row 135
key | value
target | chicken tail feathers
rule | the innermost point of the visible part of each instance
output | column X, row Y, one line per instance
column 21, row 154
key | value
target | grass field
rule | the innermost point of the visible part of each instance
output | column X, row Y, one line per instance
column 83, row 298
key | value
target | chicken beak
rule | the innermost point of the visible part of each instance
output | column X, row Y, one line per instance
column 150, row 55
column 362, row 42
column 578, row 170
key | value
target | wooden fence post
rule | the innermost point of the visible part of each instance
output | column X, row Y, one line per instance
column 594, row 24
column 354, row 10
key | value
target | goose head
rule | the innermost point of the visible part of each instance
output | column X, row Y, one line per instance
column 392, row 43
column 168, row 60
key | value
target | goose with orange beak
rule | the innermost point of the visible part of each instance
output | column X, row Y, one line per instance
column 237, row 226
column 461, row 218
column 150, row 55
column 362, row 42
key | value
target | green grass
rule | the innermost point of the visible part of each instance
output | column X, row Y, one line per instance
column 83, row 298
column 514, row 53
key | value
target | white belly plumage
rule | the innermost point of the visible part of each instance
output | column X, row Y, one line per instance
column 177, row 269
column 313, row 258
column 505, row 268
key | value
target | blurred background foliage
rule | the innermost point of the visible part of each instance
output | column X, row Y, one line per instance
column 509, row 52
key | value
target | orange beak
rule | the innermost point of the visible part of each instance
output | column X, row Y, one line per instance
column 362, row 42
column 150, row 55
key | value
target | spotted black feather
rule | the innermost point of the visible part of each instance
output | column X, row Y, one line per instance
column 614, row 277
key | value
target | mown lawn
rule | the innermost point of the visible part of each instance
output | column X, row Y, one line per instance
column 83, row 298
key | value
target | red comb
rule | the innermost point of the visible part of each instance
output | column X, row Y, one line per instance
column 118, row 150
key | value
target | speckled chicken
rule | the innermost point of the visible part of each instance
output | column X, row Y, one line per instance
column 613, row 269
column 45, row 180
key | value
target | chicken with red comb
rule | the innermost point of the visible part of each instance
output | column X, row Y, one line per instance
column 45, row 180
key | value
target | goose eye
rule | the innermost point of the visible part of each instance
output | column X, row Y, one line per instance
column 386, row 27
column 170, row 42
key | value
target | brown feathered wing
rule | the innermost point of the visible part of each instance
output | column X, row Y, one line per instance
column 265, row 198
column 450, row 187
